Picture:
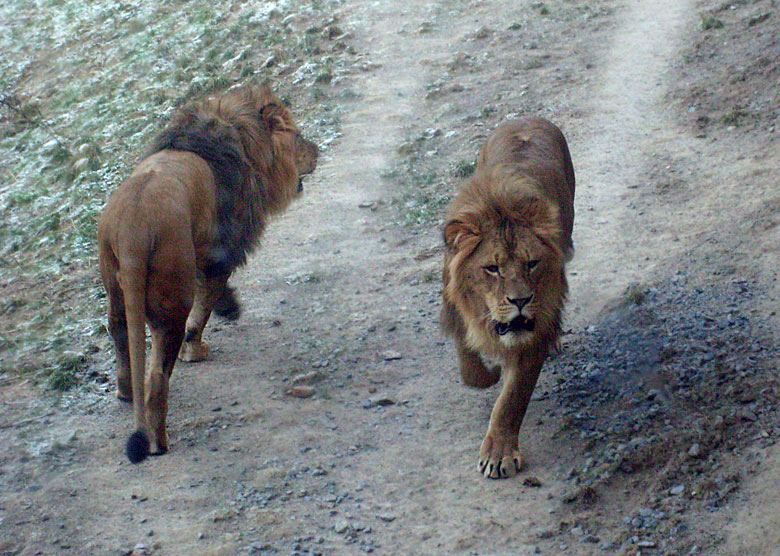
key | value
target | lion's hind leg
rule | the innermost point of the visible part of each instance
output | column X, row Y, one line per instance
column 117, row 323
column 170, row 294
column 165, row 347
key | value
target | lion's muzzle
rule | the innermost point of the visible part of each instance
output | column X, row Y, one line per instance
column 518, row 324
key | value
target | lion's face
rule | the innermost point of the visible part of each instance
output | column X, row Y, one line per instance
column 506, row 276
column 288, row 143
column 505, row 280
column 306, row 154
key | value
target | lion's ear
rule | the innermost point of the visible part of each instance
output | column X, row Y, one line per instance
column 458, row 234
column 544, row 223
column 273, row 116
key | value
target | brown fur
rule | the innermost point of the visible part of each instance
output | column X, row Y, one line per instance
column 508, row 235
column 174, row 231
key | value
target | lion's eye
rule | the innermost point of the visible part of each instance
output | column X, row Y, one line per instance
column 532, row 264
column 491, row 269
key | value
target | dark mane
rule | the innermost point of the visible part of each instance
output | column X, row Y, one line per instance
column 199, row 130
column 219, row 151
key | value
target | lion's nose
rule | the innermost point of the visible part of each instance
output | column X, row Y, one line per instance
column 521, row 302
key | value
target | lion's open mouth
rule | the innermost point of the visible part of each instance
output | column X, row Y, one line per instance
column 300, row 185
column 515, row 325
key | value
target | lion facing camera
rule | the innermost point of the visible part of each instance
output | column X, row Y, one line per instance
column 508, row 236
column 174, row 231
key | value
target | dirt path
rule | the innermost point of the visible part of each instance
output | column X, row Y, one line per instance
column 628, row 127
column 382, row 458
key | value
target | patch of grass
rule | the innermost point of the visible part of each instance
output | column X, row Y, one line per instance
column 709, row 21
column 737, row 116
column 635, row 294
column 421, row 208
column 65, row 374
column 464, row 168
column 83, row 88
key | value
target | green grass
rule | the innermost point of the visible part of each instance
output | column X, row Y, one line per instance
column 709, row 22
column 736, row 117
column 634, row 294
column 464, row 168
column 83, row 88
column 423, row 196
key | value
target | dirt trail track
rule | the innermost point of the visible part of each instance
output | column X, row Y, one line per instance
column 628, row 126
column 383, row 457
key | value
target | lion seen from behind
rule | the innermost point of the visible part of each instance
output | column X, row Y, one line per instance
column 174, row 231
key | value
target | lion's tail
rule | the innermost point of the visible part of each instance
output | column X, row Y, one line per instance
column 133, row 281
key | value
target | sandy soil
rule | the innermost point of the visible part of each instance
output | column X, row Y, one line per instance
column 382, row 458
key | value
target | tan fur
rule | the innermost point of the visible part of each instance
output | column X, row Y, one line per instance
column 174, row 231
column 508, row 235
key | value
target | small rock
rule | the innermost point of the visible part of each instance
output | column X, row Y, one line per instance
column 677, row 489
column 694, row 451
column 301, row 391
column 305, row 377
column 406, row 148
column 259, row 547
column 332, row 32
column 390, row 355
column 482, row 33
column 748, row 415
column 425, row 27
column 224, row 514
column 646, row 544
column 386, row 517
column 532, row 482
column 341, row 526
column 546, row 534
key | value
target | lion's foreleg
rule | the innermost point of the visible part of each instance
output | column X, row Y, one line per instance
column 473, row 370
column 499, row 455
column 209, row 290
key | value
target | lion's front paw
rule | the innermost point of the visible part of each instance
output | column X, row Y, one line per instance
column 193, row 351
column 499, row 457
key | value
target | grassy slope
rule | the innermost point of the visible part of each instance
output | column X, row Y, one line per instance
column 82, row 89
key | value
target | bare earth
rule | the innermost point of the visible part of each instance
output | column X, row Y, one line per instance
column 382, row 457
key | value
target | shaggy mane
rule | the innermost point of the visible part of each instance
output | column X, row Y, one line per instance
column 233, row 134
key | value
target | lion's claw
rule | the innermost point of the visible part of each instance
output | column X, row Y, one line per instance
column 500, row 458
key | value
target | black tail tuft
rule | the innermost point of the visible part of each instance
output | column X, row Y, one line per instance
column 227, row 305
column 137, row 448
